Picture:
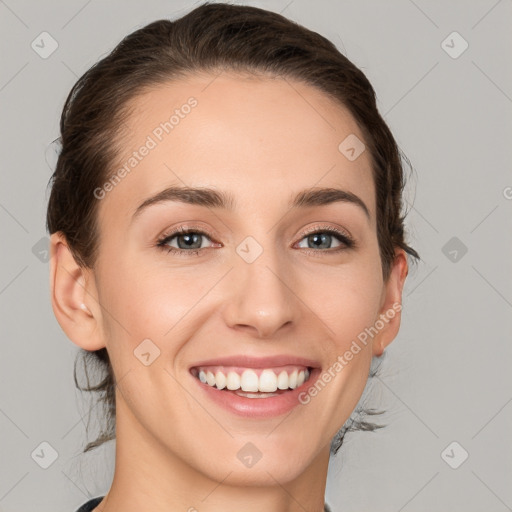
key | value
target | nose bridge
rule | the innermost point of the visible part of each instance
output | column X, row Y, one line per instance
column 260, row 298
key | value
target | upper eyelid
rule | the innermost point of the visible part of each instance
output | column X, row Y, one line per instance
column 183, row 230
column 319, row 229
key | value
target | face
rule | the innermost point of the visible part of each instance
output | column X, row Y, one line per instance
column 261, row 290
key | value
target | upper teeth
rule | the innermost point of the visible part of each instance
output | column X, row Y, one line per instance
column 268, row 380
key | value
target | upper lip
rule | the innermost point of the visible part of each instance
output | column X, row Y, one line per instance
column 246, row 361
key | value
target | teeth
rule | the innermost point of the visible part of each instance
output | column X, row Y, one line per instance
column 210, row 379
column 249, row 382
column 292, row 380
column 282, row 380
column 233, row 381
column 268, row 381
column 255, row 395
column 220, row 380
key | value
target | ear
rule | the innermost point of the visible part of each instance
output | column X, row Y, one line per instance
column 72, row 287
column 391, row 304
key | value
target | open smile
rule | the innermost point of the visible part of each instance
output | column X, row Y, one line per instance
column 260, row 389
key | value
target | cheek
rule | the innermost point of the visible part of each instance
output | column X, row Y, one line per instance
column 152, row 302
column 348, row 300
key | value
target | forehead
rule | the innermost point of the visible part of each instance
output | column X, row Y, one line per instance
column 260, row 138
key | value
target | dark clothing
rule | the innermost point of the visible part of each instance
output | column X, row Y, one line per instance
column 90, row 505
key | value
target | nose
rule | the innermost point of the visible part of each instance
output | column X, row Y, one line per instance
column 260, row 299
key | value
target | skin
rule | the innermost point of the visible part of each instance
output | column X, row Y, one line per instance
column 262, row 140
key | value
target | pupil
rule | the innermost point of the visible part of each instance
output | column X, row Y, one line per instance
column 322, row 238
column 190, row 240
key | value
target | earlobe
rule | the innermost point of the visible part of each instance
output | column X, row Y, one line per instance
column 73, row 296
column 390, row 313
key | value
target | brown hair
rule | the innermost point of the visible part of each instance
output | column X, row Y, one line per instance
column 212, row 37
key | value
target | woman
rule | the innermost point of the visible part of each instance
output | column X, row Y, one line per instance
column 227, row 241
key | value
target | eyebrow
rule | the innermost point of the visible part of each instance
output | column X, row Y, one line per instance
column 211, row 198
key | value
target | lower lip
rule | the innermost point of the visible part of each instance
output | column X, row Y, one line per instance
column 258, row 407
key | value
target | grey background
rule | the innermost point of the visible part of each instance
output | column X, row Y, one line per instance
column 445, row 378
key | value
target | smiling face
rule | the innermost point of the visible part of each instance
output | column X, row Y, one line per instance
column 279, row 275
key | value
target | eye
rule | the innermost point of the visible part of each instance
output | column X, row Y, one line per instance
column 184, row 240
column 324, row 238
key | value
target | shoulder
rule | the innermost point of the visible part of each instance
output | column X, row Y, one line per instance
column 90, row 505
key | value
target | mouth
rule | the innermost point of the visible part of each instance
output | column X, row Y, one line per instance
column 256, row 388
column 253, row 382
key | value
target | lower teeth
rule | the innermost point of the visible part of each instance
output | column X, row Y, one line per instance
column 255, row 395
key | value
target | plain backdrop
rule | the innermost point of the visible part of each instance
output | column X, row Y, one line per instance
column 443, row 76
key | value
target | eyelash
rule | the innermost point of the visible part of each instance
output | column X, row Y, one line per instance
column 347, row 241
